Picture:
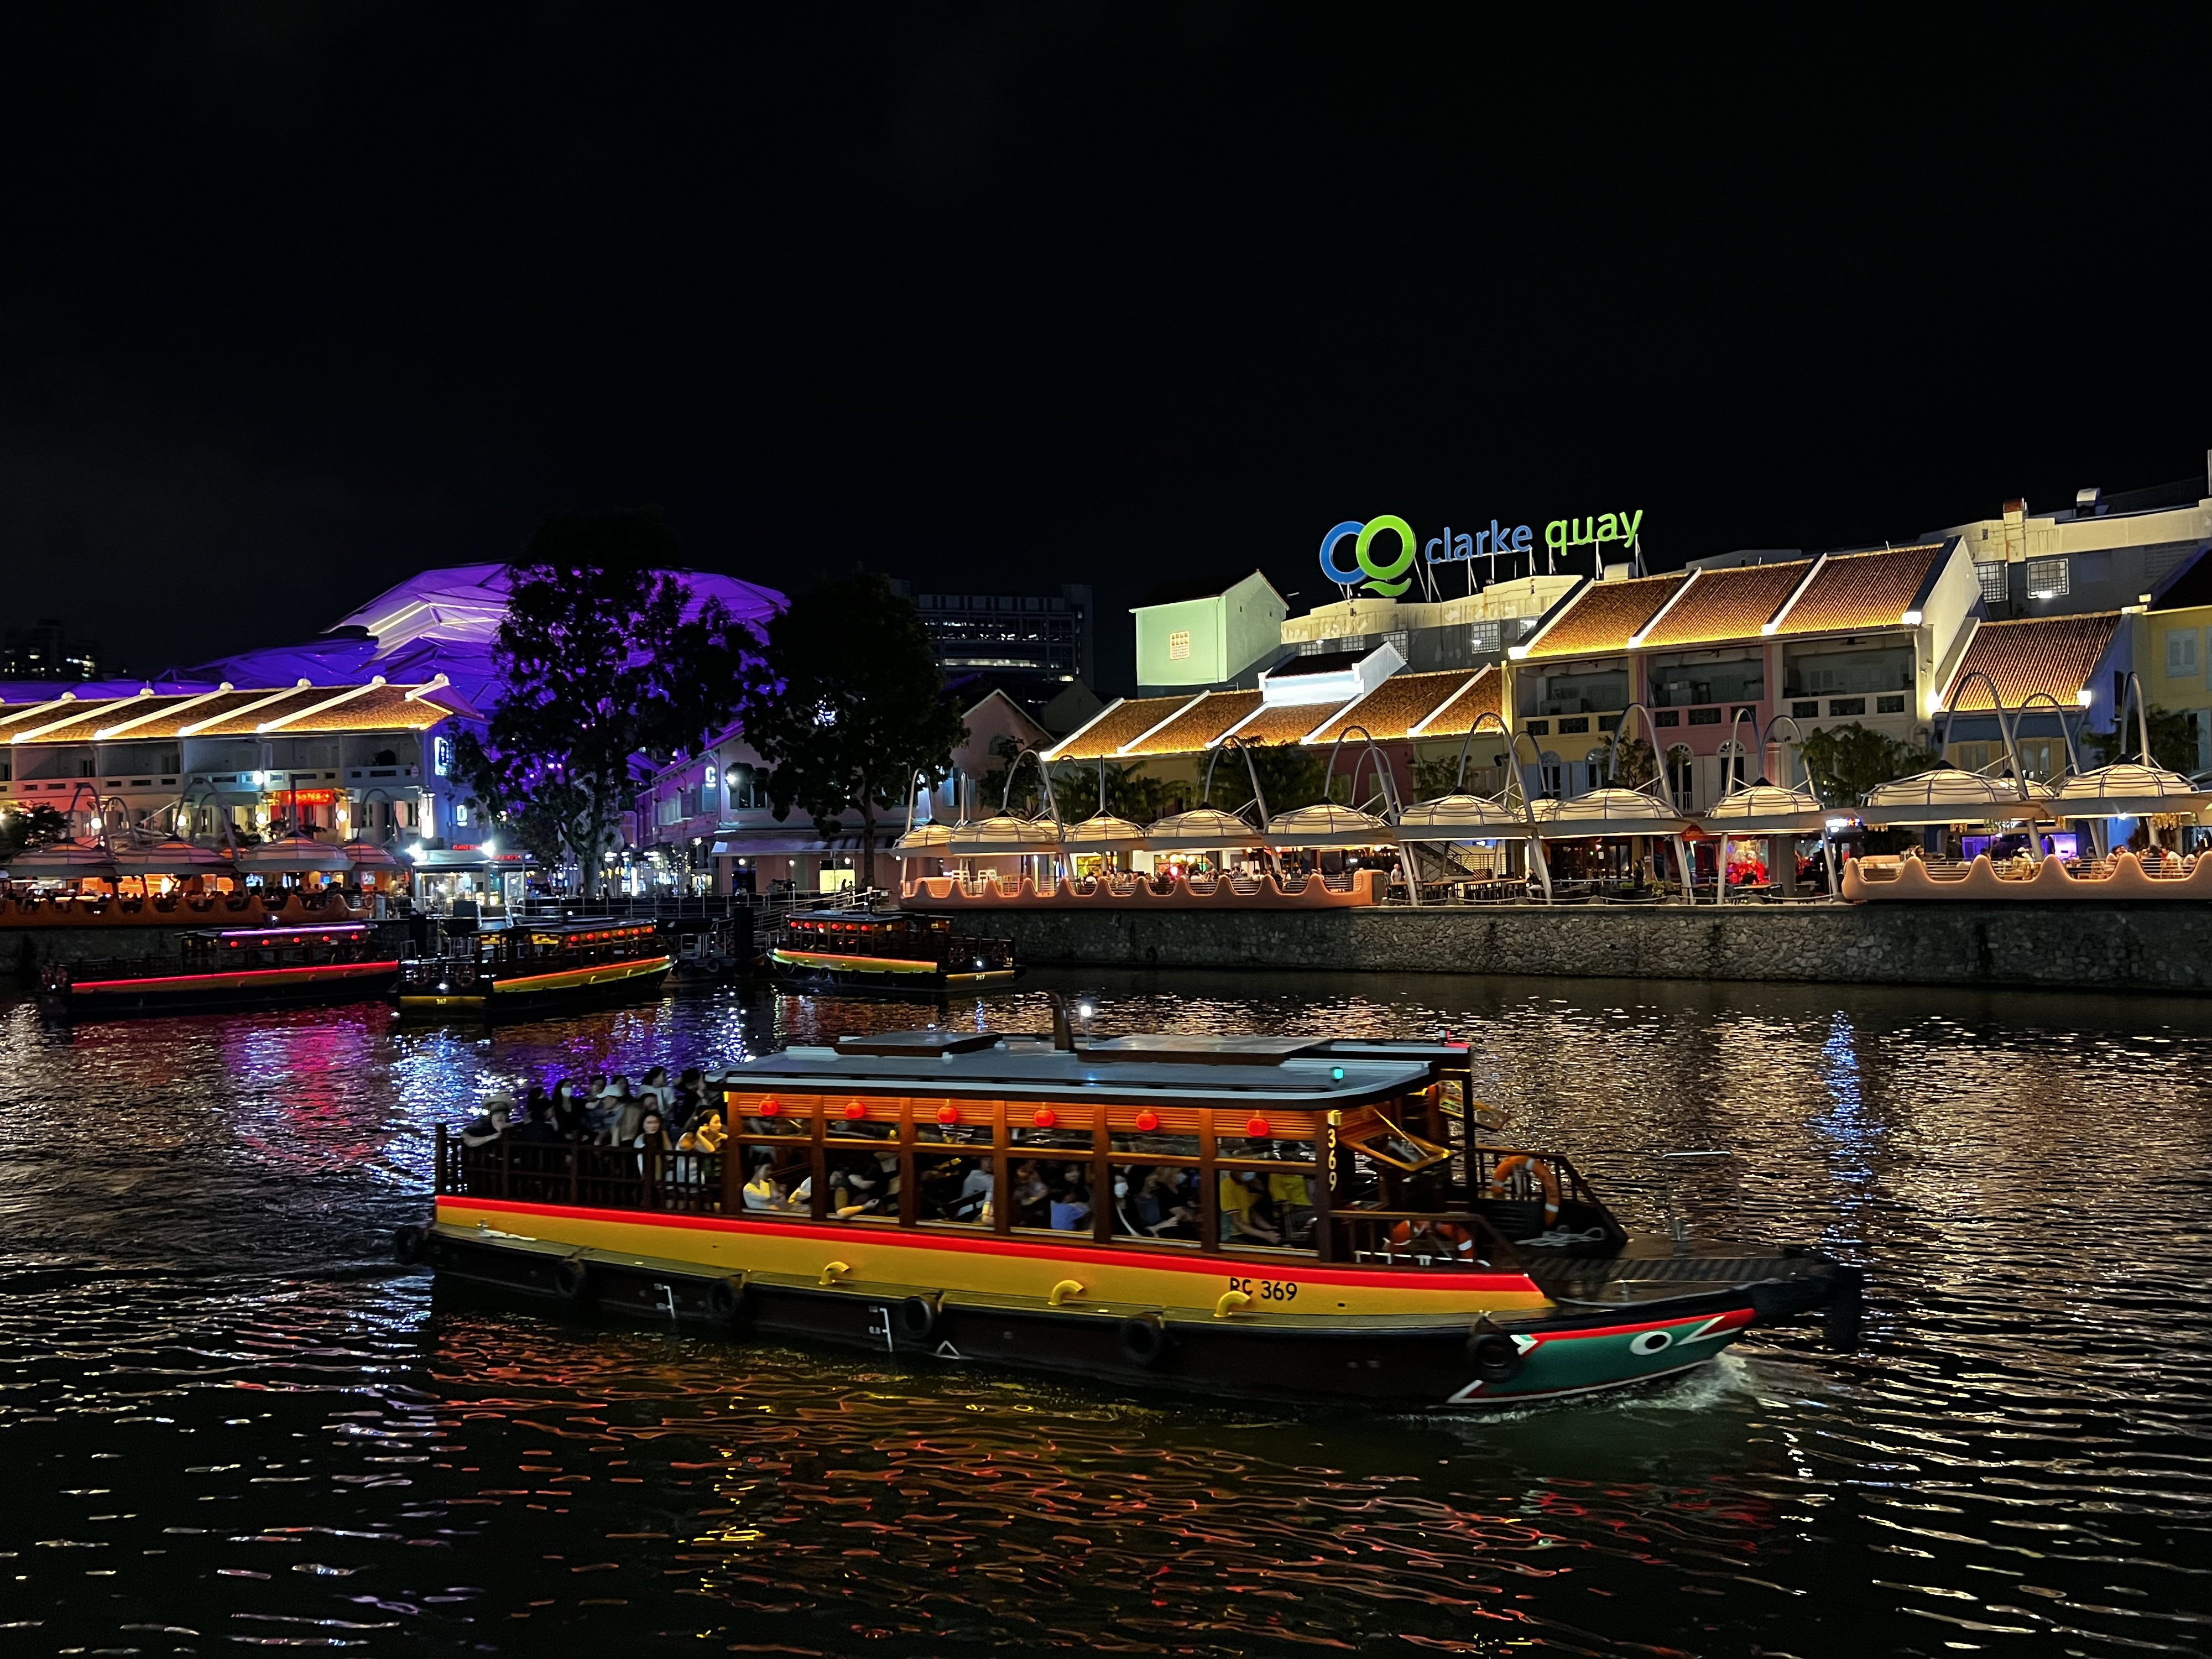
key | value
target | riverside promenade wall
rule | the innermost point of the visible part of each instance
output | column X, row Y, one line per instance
column 2162, row 947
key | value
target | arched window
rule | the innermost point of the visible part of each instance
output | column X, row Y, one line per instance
column 1681, row 776
column 1735, row 765
column 1553, row 776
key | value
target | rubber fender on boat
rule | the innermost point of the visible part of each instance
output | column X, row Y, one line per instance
column 726, row 1300
column 917, row 1316
column 1145, row 1339
column 573, row 1280
column 407, row 1246
column 1495, row 1356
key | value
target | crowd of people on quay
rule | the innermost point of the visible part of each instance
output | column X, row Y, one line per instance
column 664, row 1125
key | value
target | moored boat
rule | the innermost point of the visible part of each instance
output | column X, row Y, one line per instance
column 887, row 952
column 227, row 968
column 531, row 967
column 1269, row 1217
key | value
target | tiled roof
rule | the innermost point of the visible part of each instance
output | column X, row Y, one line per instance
column 1487, row 696
column 1728, row 605
column 233, row 713
column 1400, row 703
column 2055, row 655
column 1602, row 616
column 1190, row 732
column 1862, row 590
column 1285, row 723
column 1123, row 723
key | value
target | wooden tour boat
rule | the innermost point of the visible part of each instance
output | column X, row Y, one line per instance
column 1351, row 1233
column 886, row 951
column 225, row 968
column 531, row 967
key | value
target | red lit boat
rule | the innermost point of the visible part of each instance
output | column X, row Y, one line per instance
column 227, row 968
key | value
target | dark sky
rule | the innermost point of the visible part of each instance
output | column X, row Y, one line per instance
column 296, row 300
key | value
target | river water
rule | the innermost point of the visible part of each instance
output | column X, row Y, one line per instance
column 225, row 1418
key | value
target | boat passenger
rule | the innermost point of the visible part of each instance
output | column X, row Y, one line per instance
column 1162, row 1209
column 763, row 1192
column 568, row 1111
column 528, row 1123
column 493, row 1124
column 976, row 1191
column 1244, row 1213
column 655, row 1088
column 1071, row 1203
column 1032, row 1198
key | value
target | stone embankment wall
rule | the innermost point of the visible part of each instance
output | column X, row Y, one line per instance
column 2165, row 947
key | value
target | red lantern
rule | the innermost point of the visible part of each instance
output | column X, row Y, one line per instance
column 1257, row 1128
column 948, row 1113
column 854, row 1112
column 771, row 1108
column 1147, row 1120
column 1043, row 1117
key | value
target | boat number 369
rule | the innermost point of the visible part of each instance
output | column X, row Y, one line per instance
column 1267, row 1290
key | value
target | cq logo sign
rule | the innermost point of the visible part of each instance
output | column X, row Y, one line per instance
column 1388, row 580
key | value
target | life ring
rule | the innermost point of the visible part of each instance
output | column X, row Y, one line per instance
column 1457, row 1241
column 1494, row 1355
column 1506, row 1168
column 917, row 1317
column 1145, row 1339
column 407, row 1246
column 726, row 1300
column 573, row 1280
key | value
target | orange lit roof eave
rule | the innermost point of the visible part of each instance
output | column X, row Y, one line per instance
column 1860, row 593
column 1725, row 607
column 385, row 708
column 1604, row 617
column 2057, row 656
column 1190, row 732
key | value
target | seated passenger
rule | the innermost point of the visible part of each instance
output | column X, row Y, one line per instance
column 1031, row 1198
column 1243, row 1216
column 973, row 1203
column 763, row 1192
column 1162, row 1209
column 1071, row 1199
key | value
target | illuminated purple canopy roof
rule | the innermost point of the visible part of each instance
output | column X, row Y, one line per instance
column 440, row 621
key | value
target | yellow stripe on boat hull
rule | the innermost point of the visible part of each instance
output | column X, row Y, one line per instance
column 1027, row 1264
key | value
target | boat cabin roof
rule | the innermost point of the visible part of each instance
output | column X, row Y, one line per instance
column 1308, row 1073
column 858, row 919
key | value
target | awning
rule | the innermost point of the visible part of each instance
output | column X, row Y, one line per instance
column 745, row 847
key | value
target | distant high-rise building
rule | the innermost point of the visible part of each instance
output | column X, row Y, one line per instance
column 44, row 651
column 1046, row 636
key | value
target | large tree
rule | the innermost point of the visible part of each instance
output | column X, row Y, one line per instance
column 600, row 668
column 857, row 706
column 1847, row 761
column 2173, row 741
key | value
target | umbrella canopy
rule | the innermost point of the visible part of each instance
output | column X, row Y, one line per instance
column 2127, row 791
column 66, row 859
column 1460, row 817
column 1202, row 831
column 1329, row 825
column 367, row 855
column 1610, row 811
column 1003, row 837
column 1765, row 809
column 292, row 854
column 173, row 857
column 923, row 841
column 1947, row 795
column 1103, row 832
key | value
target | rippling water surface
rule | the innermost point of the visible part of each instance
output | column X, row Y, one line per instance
column 225, row 1418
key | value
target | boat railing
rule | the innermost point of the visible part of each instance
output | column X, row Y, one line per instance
column 1451, row 1242
column 576, row 1171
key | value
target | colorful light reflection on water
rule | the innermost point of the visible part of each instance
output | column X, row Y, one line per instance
column 228, row 1419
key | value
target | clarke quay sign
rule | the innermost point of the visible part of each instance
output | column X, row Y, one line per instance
column 1389, row 577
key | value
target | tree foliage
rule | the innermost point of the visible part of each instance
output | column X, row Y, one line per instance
column 599, row 668
column 1845, row 762
column 858, row 706
column 2173, row 741
column 32, row 826
column 1290, row 776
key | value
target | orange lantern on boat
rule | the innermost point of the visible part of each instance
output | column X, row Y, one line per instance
column 1044, row 1117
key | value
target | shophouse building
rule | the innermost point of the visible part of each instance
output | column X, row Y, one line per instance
column 705, row 824
column 1725, row 651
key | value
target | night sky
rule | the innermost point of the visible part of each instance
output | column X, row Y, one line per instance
column 297, row 299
